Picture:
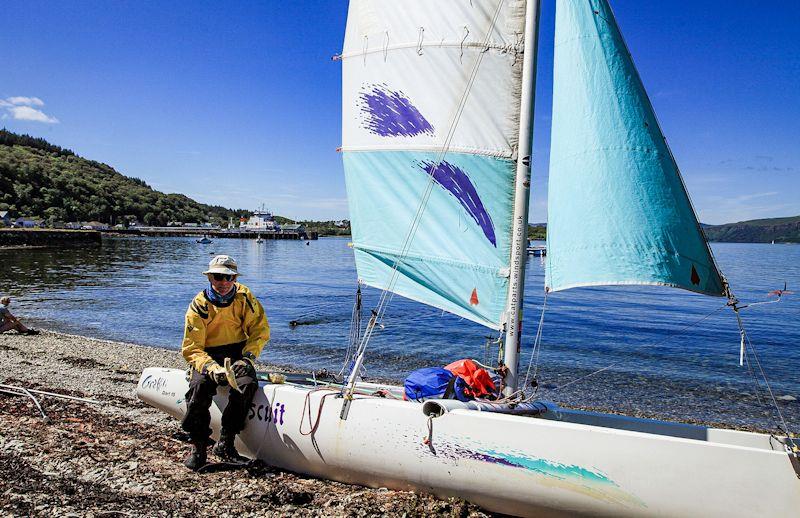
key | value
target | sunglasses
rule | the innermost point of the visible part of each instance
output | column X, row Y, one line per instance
column 223, row 276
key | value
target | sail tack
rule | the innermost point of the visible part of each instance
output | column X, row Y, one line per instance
column 430, row 120
column 618, row 212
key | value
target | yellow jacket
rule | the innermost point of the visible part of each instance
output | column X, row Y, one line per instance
column 209, row 326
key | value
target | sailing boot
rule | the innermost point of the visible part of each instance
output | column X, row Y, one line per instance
column 225, row 449
column 196, row 458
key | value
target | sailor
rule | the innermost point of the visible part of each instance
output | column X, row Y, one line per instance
column 225, row 321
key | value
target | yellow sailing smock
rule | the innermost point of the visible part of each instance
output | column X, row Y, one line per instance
column 243, row 320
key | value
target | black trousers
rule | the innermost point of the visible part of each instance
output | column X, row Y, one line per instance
column 202, row 389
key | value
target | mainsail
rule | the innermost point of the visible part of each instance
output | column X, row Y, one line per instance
column 618, row 212
column 429, row 148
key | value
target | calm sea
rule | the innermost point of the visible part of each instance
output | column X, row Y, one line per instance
column 667, row 353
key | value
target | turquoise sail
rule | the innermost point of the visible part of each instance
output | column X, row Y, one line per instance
column 618, row 211
column 458, row 257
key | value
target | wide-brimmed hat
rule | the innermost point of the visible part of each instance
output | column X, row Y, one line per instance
column 223, row 264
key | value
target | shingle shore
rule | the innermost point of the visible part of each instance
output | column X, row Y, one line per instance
column 122, row 457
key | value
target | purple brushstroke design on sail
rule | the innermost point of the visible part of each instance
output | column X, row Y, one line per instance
column 391, row 114
column 459, row 185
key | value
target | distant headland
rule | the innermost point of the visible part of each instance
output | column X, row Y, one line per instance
column 53, row 186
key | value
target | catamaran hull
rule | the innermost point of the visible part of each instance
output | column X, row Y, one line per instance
column 511, row 464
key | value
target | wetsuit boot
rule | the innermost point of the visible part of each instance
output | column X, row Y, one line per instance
column 196, row 458
column 225, row 449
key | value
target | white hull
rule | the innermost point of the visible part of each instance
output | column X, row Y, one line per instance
column 609, row 465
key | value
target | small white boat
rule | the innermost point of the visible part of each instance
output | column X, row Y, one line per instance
column 204, row 240
column 259, row 239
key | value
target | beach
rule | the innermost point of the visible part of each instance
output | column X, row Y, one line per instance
column 120, row 457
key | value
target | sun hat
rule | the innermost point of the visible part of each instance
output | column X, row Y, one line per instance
column 222, row 264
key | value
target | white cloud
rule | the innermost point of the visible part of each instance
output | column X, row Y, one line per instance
column 26, row 113
column 25, row 101
column 747, row 197
column 22, row 108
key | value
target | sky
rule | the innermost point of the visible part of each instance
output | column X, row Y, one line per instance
column 239, row 103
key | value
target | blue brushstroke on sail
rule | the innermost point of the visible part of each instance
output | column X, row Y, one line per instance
column 391, row 114
column 450, row 263
column 457, row 182
column 618, row 212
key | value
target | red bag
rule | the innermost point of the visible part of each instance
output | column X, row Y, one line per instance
column 479, row 381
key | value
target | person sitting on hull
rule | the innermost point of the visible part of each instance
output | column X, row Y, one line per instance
column 224, row 321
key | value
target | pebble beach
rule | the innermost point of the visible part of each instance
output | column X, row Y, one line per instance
column 116, row 456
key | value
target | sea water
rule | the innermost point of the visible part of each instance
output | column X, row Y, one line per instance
column 651, row 351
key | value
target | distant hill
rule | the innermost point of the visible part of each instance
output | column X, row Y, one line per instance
column 780, row 230
column 39, row 179
column 537, row 231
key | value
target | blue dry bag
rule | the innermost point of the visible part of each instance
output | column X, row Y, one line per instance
column 434, row 383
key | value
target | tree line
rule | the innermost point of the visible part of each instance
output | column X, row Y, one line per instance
column 39, row 179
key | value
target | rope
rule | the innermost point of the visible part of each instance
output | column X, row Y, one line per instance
column 429, row 439
column 26, row 392
column 307, row 406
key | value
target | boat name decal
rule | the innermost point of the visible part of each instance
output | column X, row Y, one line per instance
column 153, row 383
column 267, row 413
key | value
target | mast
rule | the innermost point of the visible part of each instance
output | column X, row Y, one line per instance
column 519, row 239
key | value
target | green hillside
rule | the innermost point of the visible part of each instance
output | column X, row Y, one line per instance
column 38, row 179
column 780, row 230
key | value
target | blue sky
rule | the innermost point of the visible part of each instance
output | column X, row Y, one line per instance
column 238, row 103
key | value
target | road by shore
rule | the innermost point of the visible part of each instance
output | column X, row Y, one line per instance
column 120, row 457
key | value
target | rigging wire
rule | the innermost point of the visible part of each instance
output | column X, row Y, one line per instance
column 782, row 425
column 355, row 331
column 785, row 427
column 537, row 347
column 656, row 344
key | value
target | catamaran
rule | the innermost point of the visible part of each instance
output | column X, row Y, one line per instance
column 437, row 107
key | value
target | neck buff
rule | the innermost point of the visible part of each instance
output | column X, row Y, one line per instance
column 218, row 299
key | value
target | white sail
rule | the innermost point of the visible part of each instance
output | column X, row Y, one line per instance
column 430, row 110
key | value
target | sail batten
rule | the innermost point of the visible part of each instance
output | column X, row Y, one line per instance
column 430, row 110
column 618, row 211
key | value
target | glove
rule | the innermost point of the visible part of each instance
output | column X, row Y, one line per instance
column 244, row 368
column 216, row 373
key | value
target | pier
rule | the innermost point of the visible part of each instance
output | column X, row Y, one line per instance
column 211, row 233
column 537, row 251
column 47, row 237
